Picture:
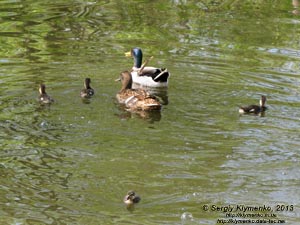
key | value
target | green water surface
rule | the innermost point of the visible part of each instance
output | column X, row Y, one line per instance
column 73, row 162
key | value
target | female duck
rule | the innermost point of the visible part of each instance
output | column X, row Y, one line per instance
column 255, row 109
column 146, row 75
column 87, row 92
column 44, row 97
column 131, row 198
column 135, row 99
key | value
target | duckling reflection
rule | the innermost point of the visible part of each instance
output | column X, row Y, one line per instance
column 44, row 98
column 131, row 199
column 255, row 109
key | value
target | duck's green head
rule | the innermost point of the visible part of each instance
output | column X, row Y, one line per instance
column 137, row 55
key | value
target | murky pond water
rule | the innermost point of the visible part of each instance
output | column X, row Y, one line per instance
column 73, row 162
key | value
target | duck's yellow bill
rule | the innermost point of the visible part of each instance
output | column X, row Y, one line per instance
column 128, row 54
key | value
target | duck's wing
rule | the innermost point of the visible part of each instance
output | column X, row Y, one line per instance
column 143, row 103
column 148, row 104
column 250, row 109
column 87, row 93
column 157, row 74
column 44, row 98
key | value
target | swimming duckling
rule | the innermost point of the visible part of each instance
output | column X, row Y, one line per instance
column 135, row 99
column 255, row 109
column 44, row 97
column 87, row 92
column 131, row 198
column 147, row 76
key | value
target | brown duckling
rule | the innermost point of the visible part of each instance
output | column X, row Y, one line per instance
column 87, row 92
column 135, row 99
column 44, row 97
column 131, row 198
column 255, row 109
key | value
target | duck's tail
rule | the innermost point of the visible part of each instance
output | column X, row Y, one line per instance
column 162, row 76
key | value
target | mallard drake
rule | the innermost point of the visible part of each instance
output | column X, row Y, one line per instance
column 145, row 75
column 255, row 109
column 44, row 97
column 135, row 99
column 87, row 92
column 131, row 198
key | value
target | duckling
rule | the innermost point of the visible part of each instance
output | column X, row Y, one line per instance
column 87, row 92
column 131, row 198
column 145, row 75
column 135, row 99
column 44, row 97
column 255, row 109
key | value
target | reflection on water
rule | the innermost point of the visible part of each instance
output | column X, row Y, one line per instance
column 150, row 116
column 71, row 162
